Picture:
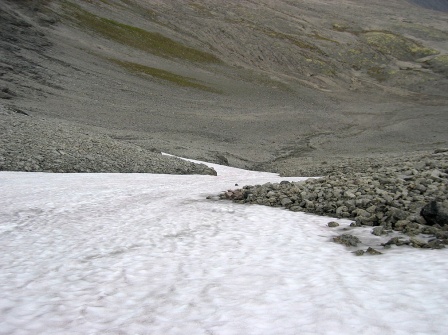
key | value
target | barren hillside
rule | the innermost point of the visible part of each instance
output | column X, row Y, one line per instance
column 258, row 83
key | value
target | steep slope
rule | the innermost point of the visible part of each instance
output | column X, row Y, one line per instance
column 243, row 82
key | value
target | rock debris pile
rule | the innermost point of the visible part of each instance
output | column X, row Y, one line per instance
column 36, row 145
column 409, row 195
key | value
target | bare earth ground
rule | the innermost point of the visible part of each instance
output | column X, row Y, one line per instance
column 285, row 82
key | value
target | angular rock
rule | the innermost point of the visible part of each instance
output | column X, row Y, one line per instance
column 359, row 252
column 347, row 240
column 436, row 244
column 401, row 224
column 349, row 194
column 285, row 202
column 435, row 213
column 364, row 221
column 416, row 243
column 340, row 210
column 372, row 251
column 378, row 231
column 361, row 212
column 395, row 240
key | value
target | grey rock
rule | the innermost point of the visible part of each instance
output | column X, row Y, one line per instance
column 436, row 244
column 349, row 194
column 362, row 220
column 416, row 243
column 309, row 204
column 378, row 231
column 347, row 240
column 397, row 241
column 401, row 224
column 359, row 252
column 371, row 209
column 340, row 210
column 361, row 212
column 333, row 224
column 285, row 202
column 372, row 251
column 435, row 213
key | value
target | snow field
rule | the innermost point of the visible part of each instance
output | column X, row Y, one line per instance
column 149, row 254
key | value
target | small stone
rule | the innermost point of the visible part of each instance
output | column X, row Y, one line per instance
column 349, row 195
column 364, row 221
column 359, row 252
column 285, row 202
column 228, row 194
column 372, row 251
column 341, row 210
column 436, row 244
column 347, row 240
column 309, row 204
column 371, row 209
column 436, row 174
column 416, row 243
column 361, row 212
column 378, row 231
column 401, row 224
column 333, row 224
column 395, row 240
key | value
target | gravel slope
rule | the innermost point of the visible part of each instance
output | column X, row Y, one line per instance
column 296, row 82
column 32, row 144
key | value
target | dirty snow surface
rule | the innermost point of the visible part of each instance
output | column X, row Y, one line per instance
column 149, row 254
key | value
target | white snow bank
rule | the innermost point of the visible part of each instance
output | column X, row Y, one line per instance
column 148, row 254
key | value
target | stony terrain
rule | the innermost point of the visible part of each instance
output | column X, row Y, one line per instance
column 388, row 195
column 30, row 144
column 256, row 84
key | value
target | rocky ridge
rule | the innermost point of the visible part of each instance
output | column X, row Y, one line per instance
column 388, row 196
column 37, row 145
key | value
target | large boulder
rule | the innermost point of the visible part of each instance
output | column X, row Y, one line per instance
column 435, row 213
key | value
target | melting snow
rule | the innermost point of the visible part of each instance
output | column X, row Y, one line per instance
column 149, row 254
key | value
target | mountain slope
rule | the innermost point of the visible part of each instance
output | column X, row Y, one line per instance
column 247, row 82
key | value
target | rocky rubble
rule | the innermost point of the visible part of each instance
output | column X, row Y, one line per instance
column 37, row 145
column 389, row 197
